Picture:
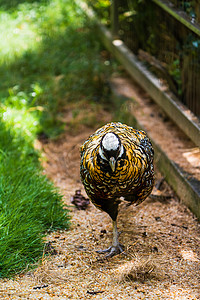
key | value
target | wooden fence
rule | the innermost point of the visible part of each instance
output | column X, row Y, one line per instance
column 165, row 45
column 167, row 40
column 186, row 188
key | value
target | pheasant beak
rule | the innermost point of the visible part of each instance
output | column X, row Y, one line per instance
column 112, row 163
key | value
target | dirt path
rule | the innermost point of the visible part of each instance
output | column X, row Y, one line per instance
column 161, row 238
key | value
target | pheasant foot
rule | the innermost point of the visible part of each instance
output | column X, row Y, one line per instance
column 112, row 250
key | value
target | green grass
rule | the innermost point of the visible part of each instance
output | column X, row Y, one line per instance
column 50, row 45
column 49, row 59
column 29, row 203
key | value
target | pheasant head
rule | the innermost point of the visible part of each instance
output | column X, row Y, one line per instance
column 111, row 149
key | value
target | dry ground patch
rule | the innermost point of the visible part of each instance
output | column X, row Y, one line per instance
column 161, row 239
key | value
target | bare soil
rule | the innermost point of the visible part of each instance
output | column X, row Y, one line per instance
column 161, row 239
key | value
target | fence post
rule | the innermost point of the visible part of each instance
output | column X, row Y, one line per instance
column 115, row 18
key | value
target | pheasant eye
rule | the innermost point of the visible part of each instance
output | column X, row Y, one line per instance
column 118, row 151
column 106, row 154
column 103, row 153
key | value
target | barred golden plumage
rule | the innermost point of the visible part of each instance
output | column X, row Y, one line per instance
column 117, row 161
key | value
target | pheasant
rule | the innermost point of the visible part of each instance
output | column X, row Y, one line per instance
column 116, row 162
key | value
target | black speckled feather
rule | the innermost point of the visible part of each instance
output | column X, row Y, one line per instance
column 133, row 177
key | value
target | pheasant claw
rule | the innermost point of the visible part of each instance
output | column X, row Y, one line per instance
column 112, row 250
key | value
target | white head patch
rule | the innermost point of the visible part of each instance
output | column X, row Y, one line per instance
column 110, row 141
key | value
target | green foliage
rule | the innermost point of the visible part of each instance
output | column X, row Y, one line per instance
column 48, row 45
column 102, row 9
column 188, row 6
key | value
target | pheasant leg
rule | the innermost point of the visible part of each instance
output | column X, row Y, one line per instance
column 116, row 247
